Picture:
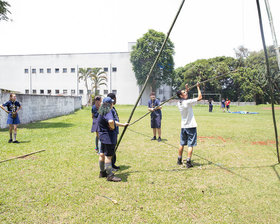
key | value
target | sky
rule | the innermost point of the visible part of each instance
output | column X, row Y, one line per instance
column 204, row 28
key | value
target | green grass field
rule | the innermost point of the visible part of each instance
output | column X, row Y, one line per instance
column 235, row 179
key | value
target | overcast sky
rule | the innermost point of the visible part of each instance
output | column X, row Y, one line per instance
column 204, row 29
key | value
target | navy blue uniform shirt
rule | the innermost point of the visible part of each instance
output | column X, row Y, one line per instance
column 106, row 135
column 94, row 110
column 153, row 104
column 11, row 106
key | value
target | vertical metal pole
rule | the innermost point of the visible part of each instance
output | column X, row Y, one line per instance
column 110, row 73
column 30, row 80
column 277, row 50
column 269, row 79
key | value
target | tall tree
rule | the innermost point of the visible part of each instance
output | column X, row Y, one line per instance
column 98, row 78
column 4, row 10
column 143, row 56
column 84, row 74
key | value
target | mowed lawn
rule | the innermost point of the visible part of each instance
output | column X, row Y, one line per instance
column 235, row 179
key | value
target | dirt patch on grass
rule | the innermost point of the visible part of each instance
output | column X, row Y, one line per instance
column 267, row 142
column 202, row 138
column 269, row 108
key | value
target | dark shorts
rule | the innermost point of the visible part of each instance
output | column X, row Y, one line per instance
column 156, row 122
column 227, row 106
column 13, row 120
column 188, row 137
column 107, row 149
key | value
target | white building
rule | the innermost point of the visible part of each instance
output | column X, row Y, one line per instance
column 57, row 74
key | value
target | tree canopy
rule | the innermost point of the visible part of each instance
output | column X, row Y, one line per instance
column 249, row 83
column 144, row 54
column 4, row 10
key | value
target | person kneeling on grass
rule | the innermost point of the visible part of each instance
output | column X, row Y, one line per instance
column 13, row 107
column 108, row 137
column 188, row 123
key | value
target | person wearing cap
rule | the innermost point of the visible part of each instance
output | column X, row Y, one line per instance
column 116, row 117
column 94, row 113
column 108, row 136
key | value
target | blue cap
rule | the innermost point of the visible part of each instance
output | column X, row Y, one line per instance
column 108, row 100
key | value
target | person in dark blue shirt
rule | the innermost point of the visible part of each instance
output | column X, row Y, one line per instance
column 94, row 112
column 108, row 136
column 116, row 117
column 13, row 107
column 156, row 116
column 210, row 105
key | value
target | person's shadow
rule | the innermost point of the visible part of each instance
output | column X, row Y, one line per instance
column 122, row 175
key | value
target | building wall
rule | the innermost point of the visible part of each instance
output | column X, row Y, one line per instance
column 40, row 107
column 22, row 73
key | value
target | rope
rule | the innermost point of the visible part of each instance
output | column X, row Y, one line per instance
column 269, row 78
column 149, row 74
column 175, row 95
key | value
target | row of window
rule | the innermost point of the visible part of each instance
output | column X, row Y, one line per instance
column 65, row 91
column 57, row 70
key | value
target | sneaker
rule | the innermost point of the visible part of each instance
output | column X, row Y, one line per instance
column 189, row 164
column 114, row 178
column 179, row 162
column 10, row 141
column 159, row 139
column 15, row 141
column 102, row 174
column 154, row 138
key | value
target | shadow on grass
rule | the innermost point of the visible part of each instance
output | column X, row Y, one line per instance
column 209, row 162
column 42, row 125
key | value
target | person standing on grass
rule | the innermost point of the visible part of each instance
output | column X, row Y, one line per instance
column 94, row 114
column 116, row 117
column 210, row 105
column 108, row 137
column 223, row 105
column 13, row 121
column 188, row 124
column 156, row 116
column 227, row 104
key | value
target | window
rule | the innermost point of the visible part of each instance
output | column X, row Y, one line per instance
column 49, row 91
column 34, row 91
column 42, row 91
column 27, row 91
column 98, row 92
column 56, row 70
column 33, row 70
column 64, row 70
column 41, row 70
column 26, row 71
column 114, row 69
column 65, row 91
column 49, row 70
column 81, row 92
column 105, row 92
column 89, row 92
column 114, row 91
column 72, row 91
column 105, row 69
column 57, row 91
column 73, row 70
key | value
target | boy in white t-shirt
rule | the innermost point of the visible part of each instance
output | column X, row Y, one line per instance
column 188, row 124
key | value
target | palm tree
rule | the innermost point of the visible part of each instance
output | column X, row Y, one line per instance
column 98, row 78
column 84, row 74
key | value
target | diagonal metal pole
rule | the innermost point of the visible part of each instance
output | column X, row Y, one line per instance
column 150, row 73
column 269, row 78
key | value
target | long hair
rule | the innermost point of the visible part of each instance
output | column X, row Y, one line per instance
column 104, row 109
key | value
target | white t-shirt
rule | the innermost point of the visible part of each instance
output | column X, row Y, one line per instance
column 185, row 107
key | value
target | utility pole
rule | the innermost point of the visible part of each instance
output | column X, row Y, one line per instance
column 276, row 47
